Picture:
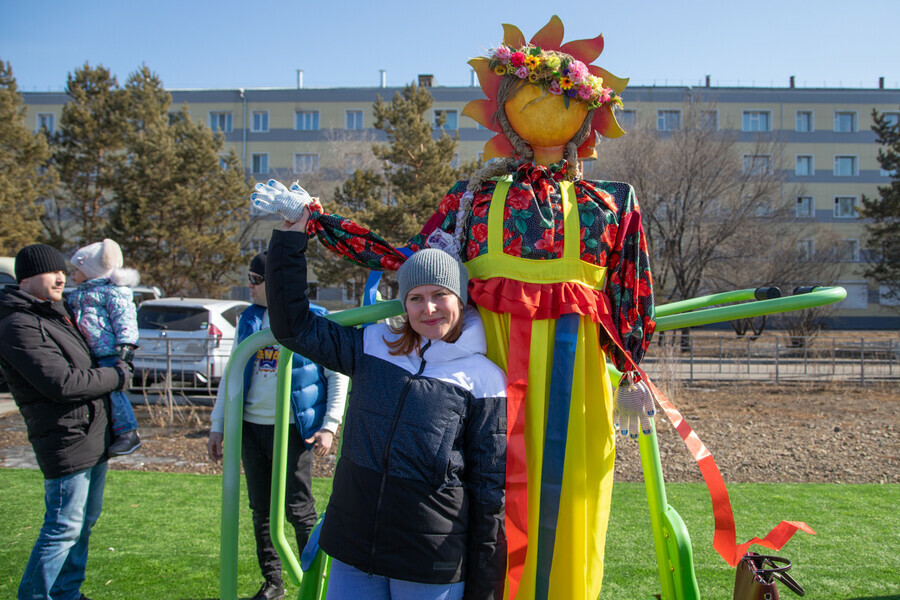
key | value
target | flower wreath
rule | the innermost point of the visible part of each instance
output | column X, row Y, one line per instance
column 556, row 72
column 572, row 77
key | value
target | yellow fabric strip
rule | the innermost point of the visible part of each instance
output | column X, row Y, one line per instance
column 569, row 268
column 578, row 556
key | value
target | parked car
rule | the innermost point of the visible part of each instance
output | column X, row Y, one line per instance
column 7, row 271
column 141, row 292
column 185, row 341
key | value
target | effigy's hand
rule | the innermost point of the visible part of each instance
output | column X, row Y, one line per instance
column 273, row 197
column 633, row 407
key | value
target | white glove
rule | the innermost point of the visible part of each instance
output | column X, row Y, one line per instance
column 633, row 406
column 273, row 197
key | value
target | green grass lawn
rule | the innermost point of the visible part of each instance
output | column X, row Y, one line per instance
column 158, row 537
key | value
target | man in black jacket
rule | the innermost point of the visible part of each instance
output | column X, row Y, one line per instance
column 63, row 397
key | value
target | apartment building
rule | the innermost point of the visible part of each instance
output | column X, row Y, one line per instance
column 318, row 136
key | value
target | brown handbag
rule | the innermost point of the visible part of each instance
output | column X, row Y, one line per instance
column 757, row 575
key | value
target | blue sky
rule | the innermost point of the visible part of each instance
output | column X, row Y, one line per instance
column 262, row 43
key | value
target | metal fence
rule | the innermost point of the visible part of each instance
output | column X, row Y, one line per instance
column 699, row 356
column 187, row 366
column 774, row 358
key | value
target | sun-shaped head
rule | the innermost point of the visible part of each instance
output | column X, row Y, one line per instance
column 545, row 92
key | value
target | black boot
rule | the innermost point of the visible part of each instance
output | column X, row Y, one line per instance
column 270, row 590
column 125, row 443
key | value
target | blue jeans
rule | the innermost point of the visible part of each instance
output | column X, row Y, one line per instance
column 120, row 412
column 349, row 583
column 55, row 569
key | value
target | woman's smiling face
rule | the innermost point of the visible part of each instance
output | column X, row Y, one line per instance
column 432, row 310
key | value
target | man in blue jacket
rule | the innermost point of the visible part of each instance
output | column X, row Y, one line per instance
column 317, row 402
column 63, row 397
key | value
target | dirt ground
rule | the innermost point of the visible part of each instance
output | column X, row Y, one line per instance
column 756, row 432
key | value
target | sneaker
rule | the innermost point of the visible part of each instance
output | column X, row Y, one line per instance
column 270, row 591
column 125, row 443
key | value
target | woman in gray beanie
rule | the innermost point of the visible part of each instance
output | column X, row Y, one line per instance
column 417, row 509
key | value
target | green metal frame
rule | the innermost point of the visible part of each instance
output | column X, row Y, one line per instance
column 670, row 536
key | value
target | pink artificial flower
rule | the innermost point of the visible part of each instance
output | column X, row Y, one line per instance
column 522, row 72
column 585, row 92
column 502, row 53
column 518, row 59
column 604, row 97
column 555, row 89
column 577, row 70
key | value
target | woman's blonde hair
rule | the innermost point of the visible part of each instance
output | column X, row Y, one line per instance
column 410, row 341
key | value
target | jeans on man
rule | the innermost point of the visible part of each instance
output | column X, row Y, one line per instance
column 55, row 569
column 120, row 412
column 300, row 508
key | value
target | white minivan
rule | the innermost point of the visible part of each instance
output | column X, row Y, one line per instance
column 185, row 342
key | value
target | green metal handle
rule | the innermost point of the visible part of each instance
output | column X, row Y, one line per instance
column 231, row 462
column 279, row 467
column 674, row 315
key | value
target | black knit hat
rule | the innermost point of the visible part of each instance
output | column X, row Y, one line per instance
column 36, row 259
column 258, row 264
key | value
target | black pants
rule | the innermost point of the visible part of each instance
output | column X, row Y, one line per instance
column 300, row 508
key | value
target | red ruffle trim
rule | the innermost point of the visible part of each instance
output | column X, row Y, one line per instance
column 539, row 300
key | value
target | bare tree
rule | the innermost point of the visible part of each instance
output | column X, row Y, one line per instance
column 700, row 190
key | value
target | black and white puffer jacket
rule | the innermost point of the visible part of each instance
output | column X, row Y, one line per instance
column 419, row 488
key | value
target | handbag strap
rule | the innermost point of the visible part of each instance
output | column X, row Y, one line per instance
column 778, row 569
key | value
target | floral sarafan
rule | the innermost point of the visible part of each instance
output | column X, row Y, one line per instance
column 559, row 69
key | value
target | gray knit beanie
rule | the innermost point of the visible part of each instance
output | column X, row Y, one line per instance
column 433, row 267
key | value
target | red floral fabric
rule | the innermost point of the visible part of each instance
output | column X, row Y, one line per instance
column 612, row 236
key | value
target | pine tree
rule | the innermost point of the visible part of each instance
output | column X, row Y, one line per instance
column 88, row 150
column 179, row 213
column 25, row 179
column 397, row 200
column 884, row 231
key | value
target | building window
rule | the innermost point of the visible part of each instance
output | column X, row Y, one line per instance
column 354, row 119
column 757, row 120
column 804, row 121
column 306, row 163
column 668, row 120
column 258, row 245
column 352, row 162
column 45, row 121
column 806, row 207
column 260, row 120
column 260, row 163
column 451, row 118
column 845, row 166
column 806, row 249
column 627, row 118
column 845, row 207
column 847, row 251
column 891, row 118
column 845, row 122
column 763, row 208
column 306, row 120
column 804, row 166
column 220, row 121
column 709, row 120
column 757, row 164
